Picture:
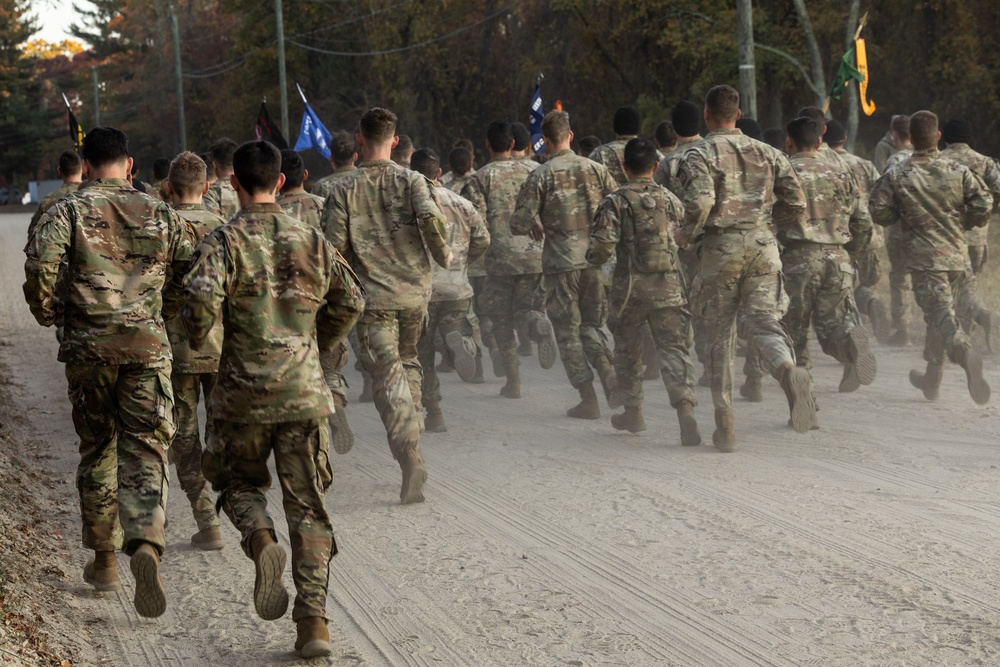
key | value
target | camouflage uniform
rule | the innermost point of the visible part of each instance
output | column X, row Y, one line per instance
column 286, row 295
column 866, row 262
column 302, row 206
column 563, row 194
column 730, row 183
column 120, row 247
column 884, row 149
column 612, row 156
column 221, row 199
column 385, row 221
column 638, row 221
column 934, row 200
column 514, row 294
column 899, row 277
column 49, row 200
column 322, row 187
column 456, row 183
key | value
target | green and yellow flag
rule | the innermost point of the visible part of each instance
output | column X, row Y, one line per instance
column 845, row 73
column 866, row 106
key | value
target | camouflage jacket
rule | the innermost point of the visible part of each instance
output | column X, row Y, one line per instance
column 612, row 156
column 936, row 200
column 200, row 222
column 865, row 175
column 728, row 180
column 493, row 191
column 468, row 238
column 884, row 149
column 666, row 171
column 986, row 169
column 120, row 247
column 221, row 199
column 833, row 215
column 302, row 206
column 322, row 187
column 637, row 223
column 286, row 295
column 456, row 183
column 563, row 194
column 48, row 201
column 385, row 221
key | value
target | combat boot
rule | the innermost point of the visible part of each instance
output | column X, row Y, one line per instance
column 966, row 357
column 524, row 340
column 990, row 322
column 724, row 437
column 929, row 381
column 341, row 435
column 367, row 389
column 414, row 476
column 690, row 437
column 464, row 358
column 546, row 342
column 270, row 598
column 861, row 366
column 879, row 315
column 513, row 387
column 101, row 572
column 797, row 385
column 150, row 595
column 899, row 338
column 631, row 420
column 588, row 407
column 312, row 638
column 496, row 357
column 478, row 377
column 208, row 539
column 609, row 382
column 752, row 390
column 435, row 418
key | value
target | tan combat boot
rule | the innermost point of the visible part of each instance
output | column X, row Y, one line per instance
column 101, row 572
column 861, row 367
column 512, row 389
column 797, row 385
column 496, row 358
column 588, row 407
column 631, row 420
column 312, row 639
column 434, row 422
column 546, row 342
column 341, row 435
column 270, row 598
column 150, row 595
column 966, row 357
column 609, row 382
column 929, row 381
column 881, row 324
column 414, row 476
column 463, row 355
column 690, row 437
column 367, row 389
column 752, row 390
column 208, row 539
column 724, row 437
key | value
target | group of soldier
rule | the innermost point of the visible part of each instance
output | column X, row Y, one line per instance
column 236, row 286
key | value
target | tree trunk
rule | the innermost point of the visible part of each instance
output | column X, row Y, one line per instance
column 815, row 57
column 748, row 71
column 852, row 89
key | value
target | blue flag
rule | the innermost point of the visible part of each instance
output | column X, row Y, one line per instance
column 313, row 134
column 535, row 121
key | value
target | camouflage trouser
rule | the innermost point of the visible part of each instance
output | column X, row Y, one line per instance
column 740, row 270
column 332, row 363
column 936, row 293
column 672, row 333
column 185, row 450
column 819, row 279
column 869, row 273
column 977, row 256
column 970, row 307
column 577, row 307
column 388, row 344
column 482, row 314
column 235, row 461
column 443, row 317
column 689, row 266
column 513, row 302
column 899, row 277
column 124, row 417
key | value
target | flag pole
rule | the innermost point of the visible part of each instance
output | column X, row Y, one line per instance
column 66, row 101
column 303, row 95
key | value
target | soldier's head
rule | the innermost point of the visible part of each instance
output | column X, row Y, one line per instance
column 294, row 170
column 665, row 136
column 924, row 130
column 640, row 158
column 750, row 127
column 957, row 131
column 686, row 118
column 460, row 161
column 803, row 135
column 161, row 166
column 186, row 181
column 722, row 107
column 816, row 114
column 222, row 156
column 556, row 131
column 70, row 167
column 403, row 150
column 105, row 153
column 256, row 172
column 426, row 162
column 835, row 135
column 775, row 138
column 900, row 128
column 627, row 122
column 343, row 150
column 499, row 137
column 522, row 138
column 589, row 144
column 210, row 174
column 377, row 133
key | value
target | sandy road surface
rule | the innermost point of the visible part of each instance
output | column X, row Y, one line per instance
column 547, row 541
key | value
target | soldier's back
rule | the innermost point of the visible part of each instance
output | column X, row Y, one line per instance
column 612, row 156
column 494, row 189
column 302, row 206
column 221, row 199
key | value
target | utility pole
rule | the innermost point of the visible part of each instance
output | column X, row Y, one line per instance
column 182, row 126
column 97, row 99
column 280, row 25
column 748, row 70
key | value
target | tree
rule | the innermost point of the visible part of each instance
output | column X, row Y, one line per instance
column 22, row 126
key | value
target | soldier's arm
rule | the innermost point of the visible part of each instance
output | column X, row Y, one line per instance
column 47, row 246
column 430, row 220
column 205, row 288
column 881, row 202
column 474, row 192
column 991, row 177
column 604, row 231
column 789, row 199
column 697, row 191
column 183, row 241
column 479, row 236
column 334, row 219
column 345, row 303
column 528, row 208
column 978, row 201
column 860, row 223
column 662, row 174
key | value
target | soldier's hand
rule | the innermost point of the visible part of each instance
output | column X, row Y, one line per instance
column 537, row 233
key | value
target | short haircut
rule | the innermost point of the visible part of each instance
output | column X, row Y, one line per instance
column 342, row 149
column 293, row 168
column 222, row 152
column 555, row 125
column 187, row 175
column 426, row 162
column 589, row 144
column 924, row 130
column 378, row 125
column 209, row 168
column 69, row 164
column 804, row 132
column 665, row 134
column 640, row 155
column 104, row 145
column 466, row 144
column 816, row 114
column 900, row 124
column 775, row 138
column 460, row 161
column 404, row 149
column 522, row 136
column 750, row 127
column 835, row 134
column 161, row 166
column 627, row 121
column 257, row 165
column 723, row 103
column 499, row 136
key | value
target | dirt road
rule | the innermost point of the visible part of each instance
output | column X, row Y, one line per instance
column 547, row 541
